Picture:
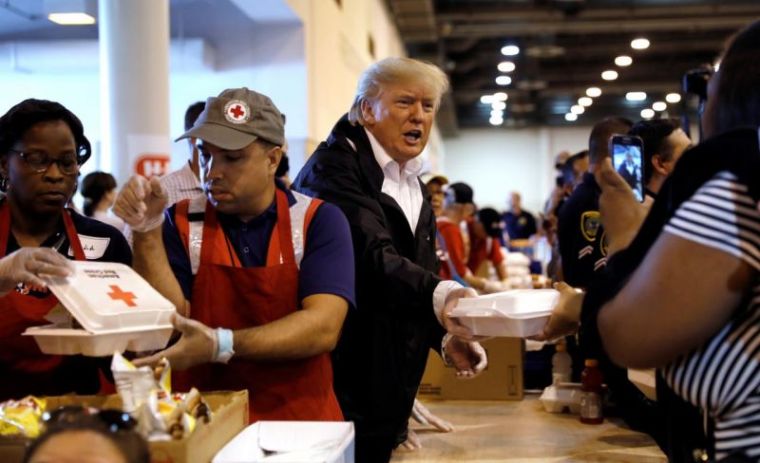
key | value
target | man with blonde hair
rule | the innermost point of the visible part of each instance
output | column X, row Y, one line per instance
column 369, row 167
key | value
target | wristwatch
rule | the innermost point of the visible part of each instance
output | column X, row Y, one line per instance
column 224, row 345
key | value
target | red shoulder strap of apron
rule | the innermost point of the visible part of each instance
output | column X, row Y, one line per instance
column 182, row 221
column 312, row 209
column 71, row 232
column 216, row 247
column 281, row 242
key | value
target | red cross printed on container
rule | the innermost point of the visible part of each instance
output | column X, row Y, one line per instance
column 236, row 111
column 118, row 294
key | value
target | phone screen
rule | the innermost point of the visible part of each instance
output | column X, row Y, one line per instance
column 627, row 160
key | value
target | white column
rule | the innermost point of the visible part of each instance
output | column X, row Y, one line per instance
column 134, row 86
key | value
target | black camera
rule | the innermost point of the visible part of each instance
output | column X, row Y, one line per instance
column 695, row 81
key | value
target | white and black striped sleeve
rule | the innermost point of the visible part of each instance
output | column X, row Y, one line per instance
column 721, row 215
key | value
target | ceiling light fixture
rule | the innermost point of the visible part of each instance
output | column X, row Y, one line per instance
column 500, row 96
column 487, row 99
column 506, row 66
column 623, row 61
column 673, row 97
column 647, row 113
column 609, row 75
column 577, row 109
column 510, row 50
column 496, row 120
column 497, row 113
column 500, row 105
column 659, row 106
column 71, row 12
column 503, row 80
column 640, row 43
column 570, row 117
column 585, row 101
column 593, row 92
column 635, row 96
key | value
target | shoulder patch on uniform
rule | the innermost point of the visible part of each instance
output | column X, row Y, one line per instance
column 590, row 222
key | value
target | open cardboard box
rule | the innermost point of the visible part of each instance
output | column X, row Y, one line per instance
column 518, row 313
column 115, row 308
column 230, row 416
column 502, row 379
column 291, row 441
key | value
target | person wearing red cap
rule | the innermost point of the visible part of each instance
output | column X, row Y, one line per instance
column 265, row 274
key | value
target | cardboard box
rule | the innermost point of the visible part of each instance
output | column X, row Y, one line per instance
column 502, row 379
column 291, row 441
column 230, row 417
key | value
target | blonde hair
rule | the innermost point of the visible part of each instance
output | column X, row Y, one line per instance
column 396, row 70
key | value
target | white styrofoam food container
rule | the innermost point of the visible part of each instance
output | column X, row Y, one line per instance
column 645, row 381
column 117, row 309
column 517, row 313
column 557, row 398
column 292, row 442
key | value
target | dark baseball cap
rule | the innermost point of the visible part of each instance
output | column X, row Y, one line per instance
column 460, row 192
column 236, row 118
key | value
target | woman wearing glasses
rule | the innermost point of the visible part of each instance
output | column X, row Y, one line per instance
column 42, row 145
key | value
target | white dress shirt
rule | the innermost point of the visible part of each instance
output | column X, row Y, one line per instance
column 402, row 185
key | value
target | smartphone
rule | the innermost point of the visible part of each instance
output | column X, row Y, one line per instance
column 628, row 161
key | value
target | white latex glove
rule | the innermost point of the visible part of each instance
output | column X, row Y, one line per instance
column 468, row 357
column 196, row 346
column 141, row 203
column 452, row 325
column 423, row 416
column 493, row 287
column 30, row 266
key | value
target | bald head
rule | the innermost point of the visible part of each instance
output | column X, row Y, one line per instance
column 598, row 142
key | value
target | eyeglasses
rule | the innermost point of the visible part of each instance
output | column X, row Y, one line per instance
column 114, row 420
column 40, row 161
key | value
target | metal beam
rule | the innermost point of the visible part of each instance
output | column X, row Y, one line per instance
column 634, row 26
column 489, row 15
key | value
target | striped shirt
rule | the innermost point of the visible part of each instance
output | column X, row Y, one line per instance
column 181, row 184
column 723, row 375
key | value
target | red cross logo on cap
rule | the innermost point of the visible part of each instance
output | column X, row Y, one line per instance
column 118, row 294
column 236, row 111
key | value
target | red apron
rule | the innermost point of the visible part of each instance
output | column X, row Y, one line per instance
column 19, row 311
column 227, row 295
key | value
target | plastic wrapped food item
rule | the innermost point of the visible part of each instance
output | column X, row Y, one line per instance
column 147, row 395
column 21, row 417
column 133, row 384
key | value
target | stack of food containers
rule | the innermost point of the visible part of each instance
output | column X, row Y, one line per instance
column 113, row 310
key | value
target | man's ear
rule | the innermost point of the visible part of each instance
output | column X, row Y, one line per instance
column 658, row 165
column 274, row 156
column 368, row 113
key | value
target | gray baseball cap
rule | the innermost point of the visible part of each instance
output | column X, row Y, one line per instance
column 236, row 118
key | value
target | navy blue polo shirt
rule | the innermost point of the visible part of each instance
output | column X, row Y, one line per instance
column 327, row 266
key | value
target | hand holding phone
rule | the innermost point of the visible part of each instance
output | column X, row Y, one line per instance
column 628, row 161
